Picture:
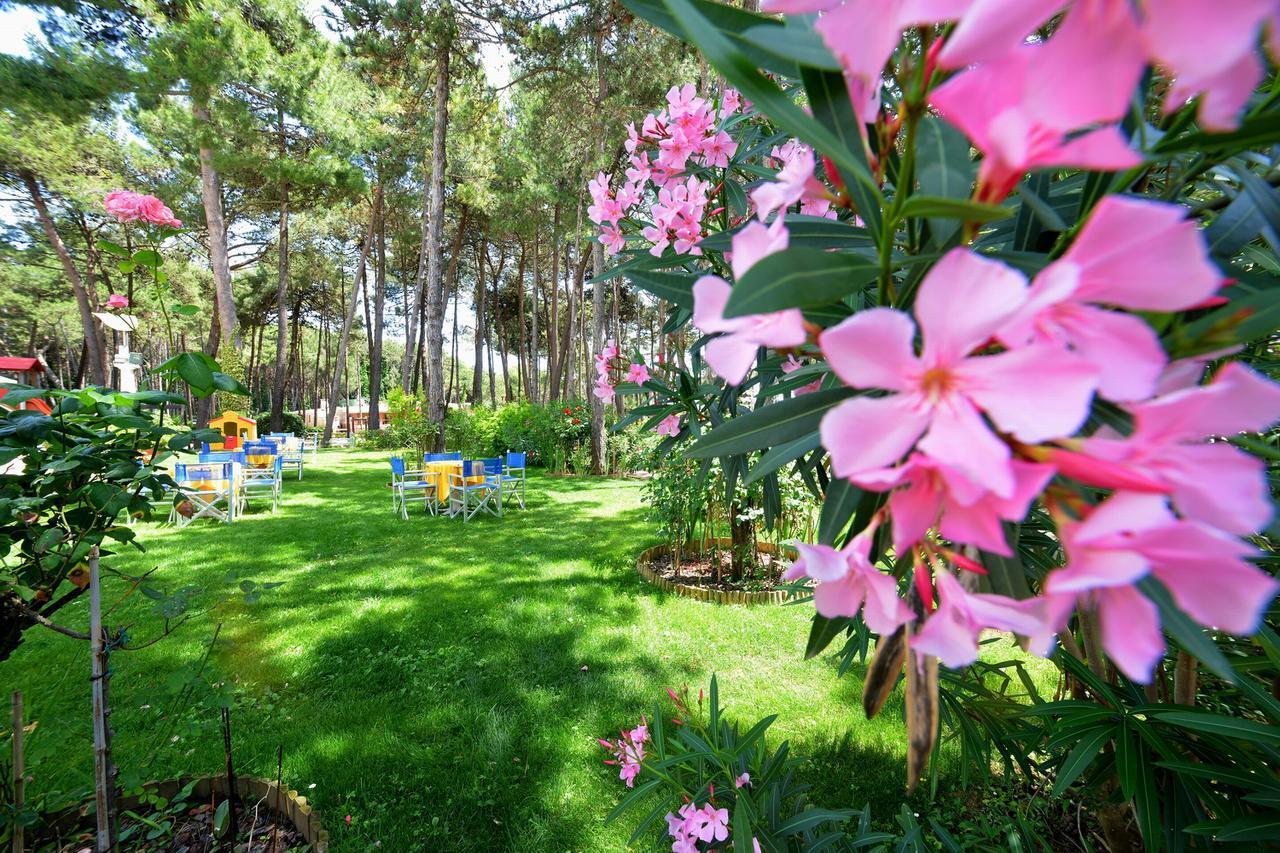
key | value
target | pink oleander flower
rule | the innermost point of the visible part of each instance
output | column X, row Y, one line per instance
column 677, row 217
column 638, row 373
column 629, row 752
column 1023, row 110
column 847, row 583
column 710, row 824
column 791, row 366
column 731, row 354
column 951, row 633
column 117, row 301
column 793, row 182
column 717, row 150
column 929, row 494
column 1134, row 254
column 668, row 427
column 1035, row 393
column 611, row 237
column 602, row 390
column 1211, row 482
column 1210, row 50
column 742, row 780
column 604, row 207
column 1130, row 536
column 755, row 242
column 127, row 206
column 989, row 29
column 730, row 102
column 610, row 350
column 863, row 34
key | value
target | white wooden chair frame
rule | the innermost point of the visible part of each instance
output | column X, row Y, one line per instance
column 488, row 497
column 403, row 489
column 260, row 482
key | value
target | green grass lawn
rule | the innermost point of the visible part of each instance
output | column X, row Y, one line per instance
column 443, row 684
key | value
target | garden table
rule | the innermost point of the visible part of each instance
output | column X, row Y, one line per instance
column 440, row 471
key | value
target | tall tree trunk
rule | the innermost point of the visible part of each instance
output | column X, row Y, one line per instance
column 340, row 367
column 211, row 195
column 379, row 291
column 535, row 343
column 522, row 364
column 282, row 292
column 435, row 281
column 597, row 289
column 553, row 328
column 94, row 358
column 477, row 373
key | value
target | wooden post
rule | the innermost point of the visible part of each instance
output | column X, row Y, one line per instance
column 19, row 772
column 103, row 772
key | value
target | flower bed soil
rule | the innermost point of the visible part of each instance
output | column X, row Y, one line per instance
column 696, row 578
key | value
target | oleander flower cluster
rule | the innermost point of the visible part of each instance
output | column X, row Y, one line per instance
column 983, row 391
column 687, row 132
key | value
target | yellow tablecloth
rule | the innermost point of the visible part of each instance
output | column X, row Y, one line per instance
column 440, row 471
column 263, row 461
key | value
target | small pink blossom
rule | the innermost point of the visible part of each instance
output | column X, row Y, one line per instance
column 731, row 354
column 1130, row 536
column 742, row 780
column 1210, row 50
column 638, row 373
column 793, row 182
column 791, row 366
column 117, row 301
column 668, row 427
column 951, row 633
column 1034, row 393
column 849, row 583
column 710, row 824
column 1089, row 68
column 602, row 390
column 929, row 494
column 611, row 237
column 730, row 102
column 755, row 242
column 1135, row 254
column 1208, row 481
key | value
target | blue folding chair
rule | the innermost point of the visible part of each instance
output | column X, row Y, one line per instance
column 223, row 456
column 512, row 473
column 408, row 486
column 468, row 499
column 210, row 489
column 263, row 480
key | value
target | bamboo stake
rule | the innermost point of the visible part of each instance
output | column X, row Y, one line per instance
column 19, row 771
column 103, row 773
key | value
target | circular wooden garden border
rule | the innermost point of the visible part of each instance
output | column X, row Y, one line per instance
column 283, row 801
column 715, row 596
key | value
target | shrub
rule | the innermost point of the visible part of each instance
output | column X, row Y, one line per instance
column 289, row 422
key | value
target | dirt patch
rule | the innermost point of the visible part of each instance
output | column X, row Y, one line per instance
column 699, row 569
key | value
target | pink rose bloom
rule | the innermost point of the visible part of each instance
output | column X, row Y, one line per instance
column 668, row 427
column 1023, row 110
column 951, row 633
column 1034, row 393
column 1130, row 536
column 638, row 373
column 116, row 301
column 128, row 206
column 849, row 583
column 1135, row 254
column 1212, row 482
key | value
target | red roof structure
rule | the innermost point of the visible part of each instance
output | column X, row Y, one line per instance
column 24, row 365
